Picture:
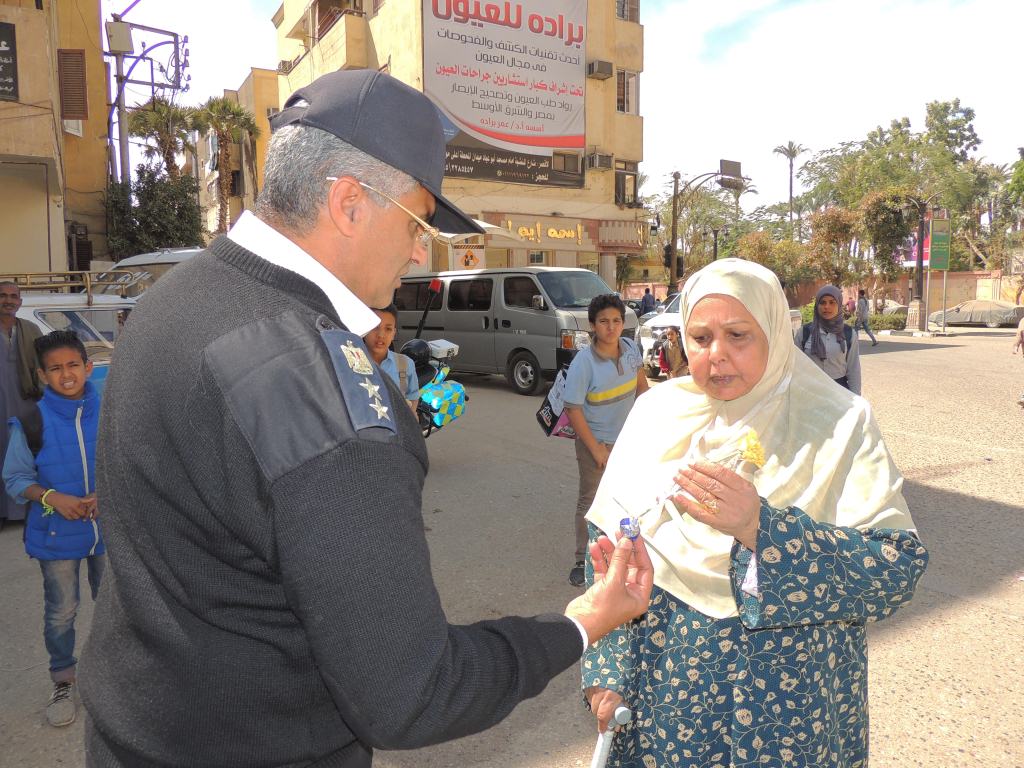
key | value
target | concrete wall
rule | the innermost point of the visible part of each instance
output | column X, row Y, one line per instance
column 48, row 174
column 31, row 219
column 85, row 156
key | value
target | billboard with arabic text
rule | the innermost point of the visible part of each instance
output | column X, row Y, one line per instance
column 509, row 79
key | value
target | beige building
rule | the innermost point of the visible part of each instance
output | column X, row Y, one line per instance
column 53, row 135
column 258, row 93
column 588, row 221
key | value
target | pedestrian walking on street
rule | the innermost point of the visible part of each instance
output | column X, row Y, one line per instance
column 830, row 343
column 19, row 380
column 603, row 381
column 780, row 532
column 863, row 318
column 647, row 303
column 270, row 599
column 52, row 468
column 675, row 353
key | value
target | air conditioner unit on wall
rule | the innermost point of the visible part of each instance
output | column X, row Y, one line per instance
column 600, row 70
column 600, row 161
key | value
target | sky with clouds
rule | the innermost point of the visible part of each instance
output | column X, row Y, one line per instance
column 732, row 79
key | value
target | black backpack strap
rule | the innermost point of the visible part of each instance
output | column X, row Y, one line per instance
column 848, row 333
column 806, row 334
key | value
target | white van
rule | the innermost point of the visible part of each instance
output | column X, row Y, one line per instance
column 523, row 322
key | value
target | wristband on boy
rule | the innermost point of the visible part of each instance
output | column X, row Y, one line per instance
column 47, row 509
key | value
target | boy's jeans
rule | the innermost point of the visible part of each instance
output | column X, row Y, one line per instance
column 61, row 595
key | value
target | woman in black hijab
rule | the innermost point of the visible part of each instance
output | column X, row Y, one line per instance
column 829, row 342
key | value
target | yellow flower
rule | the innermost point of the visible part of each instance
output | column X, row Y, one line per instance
column 751, row 449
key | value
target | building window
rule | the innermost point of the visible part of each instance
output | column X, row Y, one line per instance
column 74, row 102
column 568, row 162
column 237, row 188
column 646, row 274
column 628, row 10
column 625, row 182
column 627, row 94
column 538, row 258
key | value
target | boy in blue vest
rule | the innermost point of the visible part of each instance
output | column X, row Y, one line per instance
column 52, row 465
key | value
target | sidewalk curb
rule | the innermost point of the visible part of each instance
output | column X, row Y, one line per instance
column 919, row 334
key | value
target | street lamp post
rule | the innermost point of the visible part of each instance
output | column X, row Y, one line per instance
column 728, row 169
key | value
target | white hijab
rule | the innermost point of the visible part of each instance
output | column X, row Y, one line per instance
column 824, row 452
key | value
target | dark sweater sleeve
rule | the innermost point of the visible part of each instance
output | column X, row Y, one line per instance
column 354, row 561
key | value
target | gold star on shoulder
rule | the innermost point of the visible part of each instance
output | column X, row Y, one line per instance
column 373, row 390
column 380, row 408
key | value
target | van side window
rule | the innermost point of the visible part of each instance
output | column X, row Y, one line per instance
column 413, row 296
column 519, row 292
column 470, row 295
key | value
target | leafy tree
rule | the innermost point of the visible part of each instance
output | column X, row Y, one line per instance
column 951, row 127
column 168, row 126
column 888, row 221
column 830, row 252
column 790, row 151
column 231, row 123
column 155, row 211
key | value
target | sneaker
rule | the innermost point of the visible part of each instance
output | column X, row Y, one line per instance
column 61, row 709
column 874, row 343
column 576, row 575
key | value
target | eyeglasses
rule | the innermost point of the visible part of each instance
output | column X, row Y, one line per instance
column 429, row 233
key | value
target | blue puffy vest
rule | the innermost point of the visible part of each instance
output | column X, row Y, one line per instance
column 67, row 463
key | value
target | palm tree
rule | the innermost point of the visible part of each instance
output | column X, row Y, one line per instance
column 232, row 124
column 790, row 151
column 166, row 124
column 740, row 188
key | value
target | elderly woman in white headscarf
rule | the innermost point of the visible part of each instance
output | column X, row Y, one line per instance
column 775, row 518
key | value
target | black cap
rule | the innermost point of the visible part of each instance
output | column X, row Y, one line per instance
column 386, row 119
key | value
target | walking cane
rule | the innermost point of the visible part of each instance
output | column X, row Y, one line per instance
column 604, row 741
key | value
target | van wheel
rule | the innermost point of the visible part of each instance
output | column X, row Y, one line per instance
column 523, row 373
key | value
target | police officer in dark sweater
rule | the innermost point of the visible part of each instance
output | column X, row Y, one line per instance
column 269, row 598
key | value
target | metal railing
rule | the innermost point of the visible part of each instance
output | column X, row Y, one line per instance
column 72, row 281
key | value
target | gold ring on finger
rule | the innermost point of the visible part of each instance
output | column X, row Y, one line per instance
column 711, row 504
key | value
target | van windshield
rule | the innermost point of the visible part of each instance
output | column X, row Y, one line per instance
column 572, row 290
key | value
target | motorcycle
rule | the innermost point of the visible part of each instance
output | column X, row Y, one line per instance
column 441, row 401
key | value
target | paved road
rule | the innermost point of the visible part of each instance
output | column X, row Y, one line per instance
column 945, row 673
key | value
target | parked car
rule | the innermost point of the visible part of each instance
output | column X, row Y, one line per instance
column 633, row 304
column 97, row 324
column 892, row 308
column 991, row 314
column 145, row 269
column 524, row 322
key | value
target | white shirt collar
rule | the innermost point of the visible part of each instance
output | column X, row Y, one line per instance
column 269, row 244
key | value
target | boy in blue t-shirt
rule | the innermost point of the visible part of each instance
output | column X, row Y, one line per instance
column 601, row 386
column 54, row 468
column 399, row 367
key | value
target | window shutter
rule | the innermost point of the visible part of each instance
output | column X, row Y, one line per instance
column 74, row 102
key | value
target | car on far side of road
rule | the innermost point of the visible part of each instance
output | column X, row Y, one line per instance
column 145, row 269
column 991, row 314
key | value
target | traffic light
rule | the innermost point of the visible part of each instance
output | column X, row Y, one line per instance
column 668, row 256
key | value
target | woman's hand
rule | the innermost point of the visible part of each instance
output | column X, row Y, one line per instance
column 727, row 502
column 602, row 703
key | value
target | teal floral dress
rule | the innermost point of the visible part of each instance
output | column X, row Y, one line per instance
column 783, row 684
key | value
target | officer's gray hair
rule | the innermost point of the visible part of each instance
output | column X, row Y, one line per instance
column 299, row 160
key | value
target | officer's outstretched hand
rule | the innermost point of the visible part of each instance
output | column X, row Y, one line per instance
column 623, row 578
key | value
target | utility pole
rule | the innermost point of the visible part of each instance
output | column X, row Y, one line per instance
column 673, row 261
column 122, row 117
